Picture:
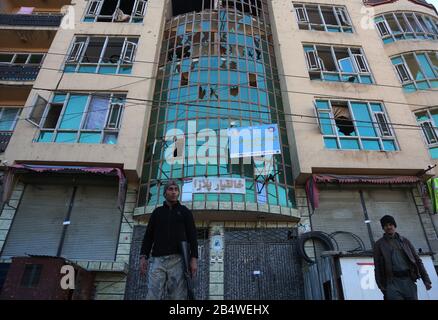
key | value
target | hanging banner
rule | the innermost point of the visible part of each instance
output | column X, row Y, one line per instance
column 218, row 185
column 254, row 141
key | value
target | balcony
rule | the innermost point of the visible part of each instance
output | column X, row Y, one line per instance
column 18, row 73
column 32, row 20
column 5, row 136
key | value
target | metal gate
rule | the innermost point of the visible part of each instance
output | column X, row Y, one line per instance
column 136, row 285
column 262, row 264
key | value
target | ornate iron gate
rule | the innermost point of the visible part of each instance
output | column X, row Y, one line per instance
column 262, row 264
column 136, row 285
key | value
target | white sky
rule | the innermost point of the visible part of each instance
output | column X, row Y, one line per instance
column 434, row 2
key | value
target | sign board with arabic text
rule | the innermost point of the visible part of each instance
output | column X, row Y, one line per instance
column 218, row 185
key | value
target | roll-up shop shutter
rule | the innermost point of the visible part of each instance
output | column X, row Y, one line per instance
column 341, row 210
column 399, row 204
column 38, row 222
column 94, row 224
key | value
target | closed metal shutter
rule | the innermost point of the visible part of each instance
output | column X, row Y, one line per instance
column 400, row 205
column 341, row 210
column 37, row 225
column 94, row 224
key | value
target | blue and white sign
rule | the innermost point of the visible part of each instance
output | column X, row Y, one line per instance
column 254, row 141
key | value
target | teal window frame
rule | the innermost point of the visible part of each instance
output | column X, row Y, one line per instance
column 368, row 129
column 94, row 7
column 427, row 75
column 427, row 119
column 77, row 131
column 343, row 20
column 8, row 119
column 428, row 26
column 75, row 59
column 360, row 71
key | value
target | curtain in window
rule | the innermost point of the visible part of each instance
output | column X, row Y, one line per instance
column 97, row 113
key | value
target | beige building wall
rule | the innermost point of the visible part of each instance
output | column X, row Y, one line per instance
column 128, row 152
column 299, row 91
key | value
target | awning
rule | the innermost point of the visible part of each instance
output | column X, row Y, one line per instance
column 9, row 179
column 313, row 192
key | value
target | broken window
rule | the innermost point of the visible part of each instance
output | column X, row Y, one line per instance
column 323, row 18
column 52, row 116
column 102, row 55
column 406, row 25
column 234, row 91
column 37, row 111
column 184, row 79
column 343, row 120
column 354, row 125
column 252, row 77
column 213, row 93
column 337, row 64
column 417, row 70
column 202, row 92
column 115, row 11
column 94, row 49
column 83, row 118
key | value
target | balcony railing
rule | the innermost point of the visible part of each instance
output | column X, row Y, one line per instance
column 5, row 136
column 34, row 20
column 18, row 73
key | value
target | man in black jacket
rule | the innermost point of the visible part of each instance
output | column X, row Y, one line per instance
column 397, row 264
column 168, row 226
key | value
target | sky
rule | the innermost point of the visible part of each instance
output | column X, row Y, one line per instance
column 434, row 2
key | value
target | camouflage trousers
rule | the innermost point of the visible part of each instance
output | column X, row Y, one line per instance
column 166, row 278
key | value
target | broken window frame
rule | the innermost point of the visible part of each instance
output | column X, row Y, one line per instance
column 108, row 130
column 412, row 84
column 136, row 16
column 39, row 105
column 409, row 32
column 380, row 137
column 316, row 65
column 75, row 58
column 340, row 13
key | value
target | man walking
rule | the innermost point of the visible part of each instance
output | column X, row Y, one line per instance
column 168, row 226
column 397, row 264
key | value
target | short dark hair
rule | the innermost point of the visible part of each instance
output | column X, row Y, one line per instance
column 168, row 184
column 387, row 219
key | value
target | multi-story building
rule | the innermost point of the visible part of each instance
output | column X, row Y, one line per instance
column 134, row 93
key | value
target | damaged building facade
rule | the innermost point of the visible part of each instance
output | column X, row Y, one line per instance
column 140, row 92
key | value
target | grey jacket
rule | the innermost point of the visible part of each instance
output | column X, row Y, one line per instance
column 383, row 263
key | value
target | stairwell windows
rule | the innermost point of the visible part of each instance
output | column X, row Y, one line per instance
column 417, row 70
column 115, row 11
column 322, row 18
column 78, row 118
column 428, row 120
column 406, row 25
column 354, row 125
column 11, row 58
column 341, row 64
column 104, row 55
